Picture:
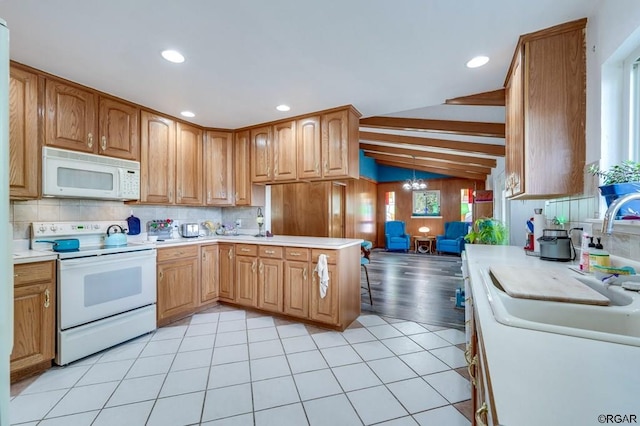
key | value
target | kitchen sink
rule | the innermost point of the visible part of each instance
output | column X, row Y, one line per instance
column 618, row 322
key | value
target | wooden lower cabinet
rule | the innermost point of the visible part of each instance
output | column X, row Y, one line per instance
column 270, row 285
column 296, row 288
column 34, row 318
column 226, row 271
column 247, row 280
column 483, row 408
column 324, row 309
column 209, row 275
column 178, row 276
column 273, row 279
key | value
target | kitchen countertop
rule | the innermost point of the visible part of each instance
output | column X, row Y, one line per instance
column 22, row 254
column 278, row 240
column 540, row 378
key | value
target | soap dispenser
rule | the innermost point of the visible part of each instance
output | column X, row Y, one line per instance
column 598, row 256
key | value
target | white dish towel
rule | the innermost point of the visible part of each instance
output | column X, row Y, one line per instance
column 323, row 274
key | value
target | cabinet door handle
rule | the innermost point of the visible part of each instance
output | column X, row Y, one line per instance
column 90, row 140
column 479, row 412
column 326, row 166
column 270, row 251
column 245, row 250
column 316, row 167
column 261, row 268
column 160, row 274
column 253, row 266
column 209, row 197
column 304, row 274
column 47, row 298
column 230, row 254
column 295, row 253
column 204, row 256
column 103, row 143
column 472, row 370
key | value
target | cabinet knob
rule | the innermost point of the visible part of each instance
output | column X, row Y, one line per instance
column 90, row 140
column 103, row 143
column 47, row 298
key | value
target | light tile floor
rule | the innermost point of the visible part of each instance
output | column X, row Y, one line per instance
column 231, row 367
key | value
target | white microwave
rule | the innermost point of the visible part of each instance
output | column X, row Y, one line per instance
column 73, row 174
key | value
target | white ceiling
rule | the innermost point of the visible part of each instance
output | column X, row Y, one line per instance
column 244, row 57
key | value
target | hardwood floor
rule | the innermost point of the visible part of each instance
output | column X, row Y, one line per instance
column 416, row 287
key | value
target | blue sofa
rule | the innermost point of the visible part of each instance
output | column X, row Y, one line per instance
column 395, row 236
column 453, row 239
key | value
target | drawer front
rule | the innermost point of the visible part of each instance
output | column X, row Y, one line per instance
column 273, row 252
column 296, row 253
column 182, row 252
column 26, row 273
column 332, row 255
column 246, row 250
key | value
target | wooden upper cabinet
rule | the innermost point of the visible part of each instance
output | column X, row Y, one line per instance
column 261, row 156
column 514, row 126
column 188, row 165
column 24, row 153
column 324, row 146
column 218, row 168
column 242, row 172
column 157, row 165
column 284, row 151
column 546, row 114
column 309, row 147
column 119, row 129
column 81, row 120
column 340, row 144
column 70, row 117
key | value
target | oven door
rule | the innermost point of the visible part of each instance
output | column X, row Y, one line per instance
column 96, row 287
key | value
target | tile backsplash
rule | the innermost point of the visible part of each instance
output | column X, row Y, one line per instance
column 23, row 213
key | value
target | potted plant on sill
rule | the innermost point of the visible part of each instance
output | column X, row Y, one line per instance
column 619, row 180
column 487, row 230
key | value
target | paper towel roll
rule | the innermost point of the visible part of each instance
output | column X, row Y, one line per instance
column 538, row 225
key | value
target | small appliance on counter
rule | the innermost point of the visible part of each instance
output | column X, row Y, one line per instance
column 555, row 244
column 162, row 229
column 133, row 223
column 189, row 230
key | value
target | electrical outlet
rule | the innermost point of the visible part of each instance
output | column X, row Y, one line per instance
column 238, row 223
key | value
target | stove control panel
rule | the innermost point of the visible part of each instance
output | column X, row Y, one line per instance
column 47, row 229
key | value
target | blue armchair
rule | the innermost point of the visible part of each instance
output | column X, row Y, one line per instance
column 395, row 236
column 453, row 239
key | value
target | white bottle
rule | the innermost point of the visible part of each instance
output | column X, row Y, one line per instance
column 584, row 253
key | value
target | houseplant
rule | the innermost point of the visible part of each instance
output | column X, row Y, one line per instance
column 487, row 230
column 619, row 180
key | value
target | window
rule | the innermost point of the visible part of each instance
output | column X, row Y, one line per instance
column 390, row 206
column 426, row 203
column 632, row 110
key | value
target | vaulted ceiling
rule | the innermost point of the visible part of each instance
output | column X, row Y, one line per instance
column 417, row 148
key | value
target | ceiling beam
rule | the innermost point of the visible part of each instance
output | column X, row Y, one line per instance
column 472, row 128
column 452, row 173
column 479, row 148
column 448, row 158
column 492, row 98
column 445, row 167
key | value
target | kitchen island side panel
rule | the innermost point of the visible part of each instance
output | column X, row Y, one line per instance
column 350, row 292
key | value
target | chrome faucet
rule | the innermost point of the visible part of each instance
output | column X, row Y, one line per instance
column 607, row 223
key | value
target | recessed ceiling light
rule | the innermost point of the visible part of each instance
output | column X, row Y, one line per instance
column 478, row 61
column 283, row 108
column 187, row 114
column 173, row 56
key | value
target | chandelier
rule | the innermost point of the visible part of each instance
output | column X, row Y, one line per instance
column 414, row 184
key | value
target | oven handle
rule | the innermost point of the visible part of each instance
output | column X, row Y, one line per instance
column 106, row 259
